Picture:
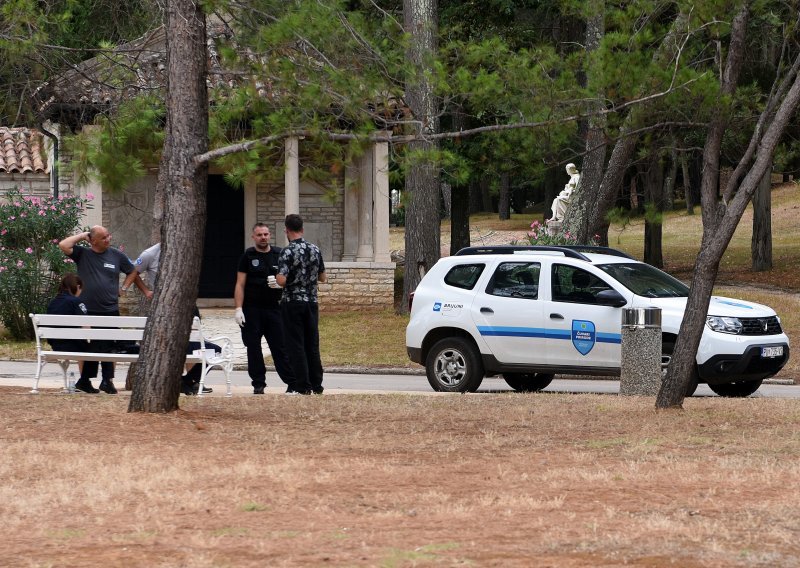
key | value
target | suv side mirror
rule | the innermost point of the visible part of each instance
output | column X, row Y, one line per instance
column 610, row 298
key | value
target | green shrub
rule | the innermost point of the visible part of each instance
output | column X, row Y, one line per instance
column 31, row 263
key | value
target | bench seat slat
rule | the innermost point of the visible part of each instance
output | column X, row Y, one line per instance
column 117, row 357
column 94, row 333
column 95, row 321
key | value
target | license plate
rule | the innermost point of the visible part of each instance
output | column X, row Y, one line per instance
column 768, row 352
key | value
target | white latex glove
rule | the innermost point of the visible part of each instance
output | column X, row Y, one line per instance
column 239, row 317
column 272, row 283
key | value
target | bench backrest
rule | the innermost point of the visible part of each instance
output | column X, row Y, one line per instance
column 121, row 328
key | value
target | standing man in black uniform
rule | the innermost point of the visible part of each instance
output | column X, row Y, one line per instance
column 256, row 297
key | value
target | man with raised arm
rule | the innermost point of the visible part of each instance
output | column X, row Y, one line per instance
column 99, row 266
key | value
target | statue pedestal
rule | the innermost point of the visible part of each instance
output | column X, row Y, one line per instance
column 553, row 227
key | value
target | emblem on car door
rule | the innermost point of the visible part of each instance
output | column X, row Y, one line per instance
column 583, row 336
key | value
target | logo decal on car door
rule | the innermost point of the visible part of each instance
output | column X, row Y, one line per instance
column 583, row 336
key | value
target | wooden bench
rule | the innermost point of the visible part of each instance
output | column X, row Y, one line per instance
column 120, row 328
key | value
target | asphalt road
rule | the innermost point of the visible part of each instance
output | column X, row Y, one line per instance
column 20, row 374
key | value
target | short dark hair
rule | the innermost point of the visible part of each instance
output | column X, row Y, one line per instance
column 70, row 283
column 294, row 222
column 260, row 224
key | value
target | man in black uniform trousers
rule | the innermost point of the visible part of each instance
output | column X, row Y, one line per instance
column 256, row 297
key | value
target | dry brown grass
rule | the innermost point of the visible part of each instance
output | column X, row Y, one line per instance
column 397, row 480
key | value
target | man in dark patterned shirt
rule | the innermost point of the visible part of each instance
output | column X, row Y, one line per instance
column 300, row 267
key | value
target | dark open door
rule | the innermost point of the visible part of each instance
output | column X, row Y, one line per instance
column 224, row 242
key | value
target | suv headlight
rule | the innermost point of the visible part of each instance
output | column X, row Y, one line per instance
column 724, row 325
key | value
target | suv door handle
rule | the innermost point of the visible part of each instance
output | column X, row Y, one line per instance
column 487, row 311
column 556, row 317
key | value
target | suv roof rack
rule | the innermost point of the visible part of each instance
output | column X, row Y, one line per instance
column 599, row 250
column 572, row 251
column 511, row 249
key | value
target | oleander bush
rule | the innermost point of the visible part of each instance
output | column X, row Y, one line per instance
column 31, row 264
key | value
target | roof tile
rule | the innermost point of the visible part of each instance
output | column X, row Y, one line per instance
column 21, row 151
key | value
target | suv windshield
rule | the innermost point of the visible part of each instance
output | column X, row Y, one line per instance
column 645, row 280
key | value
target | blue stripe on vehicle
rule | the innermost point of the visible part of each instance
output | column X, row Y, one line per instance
column 608, row 338
column 497, row 331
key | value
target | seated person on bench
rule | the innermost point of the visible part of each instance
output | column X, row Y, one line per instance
column 67, row 303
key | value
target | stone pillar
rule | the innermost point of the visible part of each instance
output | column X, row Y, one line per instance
column 553, row 227
column 365, row 212
column 291, row 178
column 250, row 210
column 380, row 198
column 640, row 368
column 351, row 192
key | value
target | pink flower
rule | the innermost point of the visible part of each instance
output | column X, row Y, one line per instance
column 29, row 250
column 41, row 213
column 90, row 196
column 52, row 208
column 20, row 264
column 11, row 218
column 2, row 268
column 68, row 261
column 4, row 231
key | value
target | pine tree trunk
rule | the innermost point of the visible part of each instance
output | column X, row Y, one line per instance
column 447, row 191
column 719, row 222
column 163, row 353
column 652, row 175
column 459, row 219
column 474, row 196
column 687, row 185
column 761, row 244
column 504, row 204
column 578, row 217
column 486, row 195
column 422, row 239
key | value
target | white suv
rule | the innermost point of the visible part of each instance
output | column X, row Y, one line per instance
column 530, row 312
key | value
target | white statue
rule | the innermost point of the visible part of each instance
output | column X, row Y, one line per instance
column 561, row 201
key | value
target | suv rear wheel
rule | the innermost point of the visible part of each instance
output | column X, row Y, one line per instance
column 527, row 382
column 453, row 365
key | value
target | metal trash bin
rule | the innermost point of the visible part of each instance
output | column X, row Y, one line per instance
column 640, row 357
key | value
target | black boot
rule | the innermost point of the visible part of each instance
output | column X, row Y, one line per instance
column 107, row 386
column 85, row 385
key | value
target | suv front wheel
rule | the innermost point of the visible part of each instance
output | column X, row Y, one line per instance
column 737, row 389
column 527, row 382
column 453, row 365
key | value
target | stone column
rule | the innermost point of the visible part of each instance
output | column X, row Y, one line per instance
column 380, row 198
column 351, row 191
column 250, row 209
column 291, row 178
column 365, row 213
column 640, row 366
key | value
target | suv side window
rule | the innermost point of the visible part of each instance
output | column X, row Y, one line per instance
column 571, row 284
column 515, row 279
column 464, row 275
